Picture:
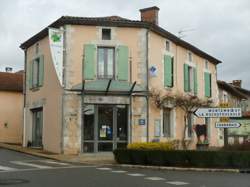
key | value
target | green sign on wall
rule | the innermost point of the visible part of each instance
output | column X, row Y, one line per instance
column 243, row 130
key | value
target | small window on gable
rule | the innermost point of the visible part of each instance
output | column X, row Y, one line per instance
column 190, row 57
column 206, row 64
column 167, row 45
column 37, row 48
column 106, row 34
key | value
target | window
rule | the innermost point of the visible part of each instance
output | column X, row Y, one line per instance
column 168, row 45
column 105, row 65
column 35, row 75
column 190, row 57
column 207, row 123
column 189, row 126
column 168, row 71
column 37, row 48
column 106, row 34
column 208, row 83
column 167, row 122
column 191, row 78
column 206, row 64
column 37, row 127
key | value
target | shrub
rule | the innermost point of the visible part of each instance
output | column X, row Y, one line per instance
column 152, row 146
column 184, row 158
column 237, row 147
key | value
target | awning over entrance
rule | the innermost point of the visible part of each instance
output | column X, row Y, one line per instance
column 109, row 87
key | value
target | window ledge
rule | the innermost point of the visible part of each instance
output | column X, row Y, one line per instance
column 35, row 89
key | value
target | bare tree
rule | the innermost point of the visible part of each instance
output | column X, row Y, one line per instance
column 187, row 102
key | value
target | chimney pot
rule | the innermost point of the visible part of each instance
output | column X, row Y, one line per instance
column 150, row 14
column 8, row 69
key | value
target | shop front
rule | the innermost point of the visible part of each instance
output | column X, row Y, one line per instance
column 105, row 127
column 106, row 122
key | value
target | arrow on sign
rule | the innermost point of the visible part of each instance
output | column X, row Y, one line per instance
column 227, row 125
column 218, row 112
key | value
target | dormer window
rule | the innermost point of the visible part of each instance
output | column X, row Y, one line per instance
column 106, row 34
column 190, row 57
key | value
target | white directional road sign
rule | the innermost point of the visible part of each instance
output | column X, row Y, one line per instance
column 218, row 112
column 227, row 125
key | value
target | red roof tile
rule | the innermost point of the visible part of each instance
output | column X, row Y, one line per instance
column 11, row 81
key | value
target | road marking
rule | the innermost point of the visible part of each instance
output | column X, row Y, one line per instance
column 54, row 162
column 178, row 183
column 4, row 168
column 52, row 168
column 104, row 169
column 136, row 174
column 30, row 164
column 155, row 178
column 118, row 171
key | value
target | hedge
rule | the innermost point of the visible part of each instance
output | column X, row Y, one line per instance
column 152, row 146
column 184, row 158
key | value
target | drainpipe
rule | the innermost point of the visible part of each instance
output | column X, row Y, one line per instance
column 130, row 102
column 24, row 97
column 147, row 84
column 63, row 88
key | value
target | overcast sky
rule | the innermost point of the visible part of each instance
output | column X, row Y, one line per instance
column 219, row 27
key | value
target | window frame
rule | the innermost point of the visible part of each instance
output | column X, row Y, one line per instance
column 37, row 73
column 170, row 120
column 106, row 76
column 189, row 130
column 168, row 45
column 190, row 56
column 110, row 33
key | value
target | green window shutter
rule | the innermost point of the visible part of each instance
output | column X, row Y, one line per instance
column 207, row 77
column 168, row 71
column 210, row 85
column 195, row 81
column 186, row 79
column 89, row 61
column 30, row 75
column 41, row 71
column 122, row 63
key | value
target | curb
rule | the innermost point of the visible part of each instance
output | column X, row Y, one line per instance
column 9, row 147
column 182, row 168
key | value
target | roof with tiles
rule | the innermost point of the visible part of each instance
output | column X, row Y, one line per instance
column 231, row 89
column 11, row 81
column 117, row 22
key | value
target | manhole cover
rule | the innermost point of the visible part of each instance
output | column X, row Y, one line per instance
column 12, row 181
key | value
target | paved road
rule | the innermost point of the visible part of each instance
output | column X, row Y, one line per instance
column 21, row 170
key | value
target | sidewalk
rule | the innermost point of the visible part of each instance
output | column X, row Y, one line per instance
column 105, row 159
column 100, row 158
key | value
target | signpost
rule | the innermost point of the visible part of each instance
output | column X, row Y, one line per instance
column 227, row 125
column 218, row 112
column 224, row 113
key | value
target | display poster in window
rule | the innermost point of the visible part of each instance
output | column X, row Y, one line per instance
column 103, row 131
column 56, row 48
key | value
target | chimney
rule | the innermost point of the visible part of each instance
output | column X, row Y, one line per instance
column 150, row 14
column 8, row 69
column 236, row 83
